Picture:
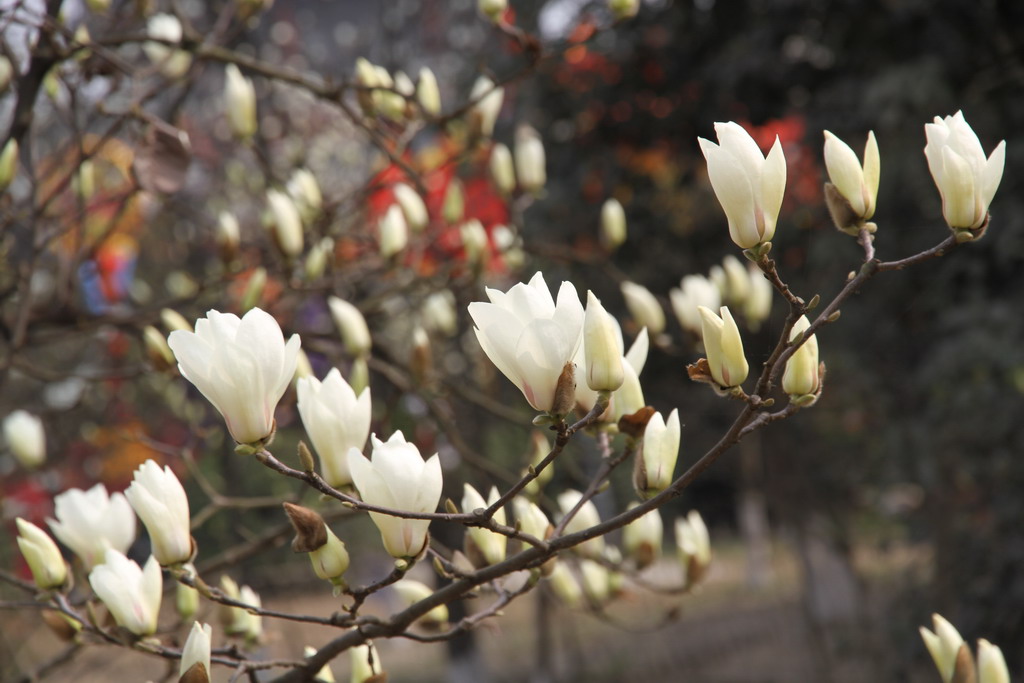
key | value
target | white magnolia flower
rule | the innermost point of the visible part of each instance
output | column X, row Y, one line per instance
column 242, row 366
column 336, row 421
column 90, row 522
column 159, row 499
column 584, row 519
column 749, row 186
column 43, row 556
column 660, row 452
column 491, row 545
column 397, row 477
column 529, row 337
column 26, row 438
column 943, row 645
column 694, row 291
column 197, row 650
column 644, row 307
column 239, row 102
column 724, row 347
column 966, row 180
column 801, row 375
column 858, row 184
column 131, row 594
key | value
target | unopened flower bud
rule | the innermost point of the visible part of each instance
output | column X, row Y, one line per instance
column 503, row 173
column 624, row 9
column 565, row 585
column 411, row 592
column 484, row 547
column 530, row 162
column 596, row 581
column 324, row 675
column 944, row 645
column 25, row 438
column 586, row 517
column 157, row 350
column 474, row 240
column 253, row 292
column 454, row 206
column 644, row 307
column 366, row 666
column 352, row 325
column 239, row 103
column 172, row 62
column 186, row 598
column 802, row 373
column 285, row 223
column 172, row 320
column 413, row 207
column 758, row 305
column 484, row 114
column 42, row 555
column 228, row 236
column 641, row 538
column 195, row 656
column 724, row 348
column 305, row 190
column 541, row 449
column 531, row 519
column 856, row 185
column 159, row 500
column 8, row 163
column 991, row 664
column 693, row 292
column 427, row 92
column 613, row 224
column 694, row 545
column 317, row 258
column 656, row 461
column 737, row 282
column 602, row 347
column 394, row 233
column 492, row 9
column 421, row 359
column 438, row 313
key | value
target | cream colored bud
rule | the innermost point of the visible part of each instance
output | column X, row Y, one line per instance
column 943, row 645
column 584, row 519
column 404, row 85
column 438, row 313
column 641, row 538
column 991, row 664
column 229, row 236
column 602, row 346
column 248, row 624
column 490, row 545
column 484, row 114
column 172, row 62
column 644, row 307
column 413, row 207
column 26, row 438
column 239, row 102
column 305, row 191
column 531, row 166
column 157, row 350
column 330, row 561
column 966, row 180
column 565, row 585
column 394, row 233
column 693, row 292
column 492, row 9
column 596, row 581
column 172, row 320
column 474, row 240
column 325, row 675
column 758, row 305
column 427, row 92
column 724, row 347
column 694, row 545
column 8, row 163
column 801, row 375
column 196, row 653
column 748, row 185
column 42, row 555
column 410, row 592
column 857, row 184
column 366, row 666
column 531, row 518
column 503, row 173
column 285, row 223
column 613, row 224
column 737, row 282
column 352, row 325
column 254, row 287
column 186, row 598
column 316, row 260
column 159, row 500
column 303, row 368
column 454, row 206
column 658, row 456
column 132, row 594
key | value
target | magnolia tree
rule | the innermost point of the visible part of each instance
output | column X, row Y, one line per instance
column 299, row 291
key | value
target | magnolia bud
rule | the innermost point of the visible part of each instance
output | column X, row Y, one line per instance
column 641, row 538
column 644, row 307
column 427, row 92
column 531, row 519
column 285, row 223
column 157, row 350
column 324, row 675
column 42, row 555
column 530, row 162
column 737, row 282
column 228, row 236
column 172, row 62
column 239, row 102
column 316, row 260
column 596, row 581
column 411, row 592
column 944, row 644
column 758, row 305
column 366, row 666
column 474, row 240
column 172, row 320
column 8, row 163
column 488, row 99
column 694, row 545
column 394, row 233
column 438, row 313
column 656, row 461
column 483, row 546
column 991, row 664
column 305, row 190
column 586, row 517
column 503, row 173
column 602, row 347
column 724, row 348
column 420, row 360
column 254, row 289
column 801, row 377
column 186, row 598
column 25, row 437
column 541, row 449
column 857, row 185
column 352, row 325
column 565, row 585
column 454, row 206
column 412, row 206
column 613, row 224
column 492, row 9
column 195, row 656
column 366, row 76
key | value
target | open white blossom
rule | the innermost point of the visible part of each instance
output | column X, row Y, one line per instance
column 90, row 522
column 132, row 594
column 336, row 420
column 159, row 499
